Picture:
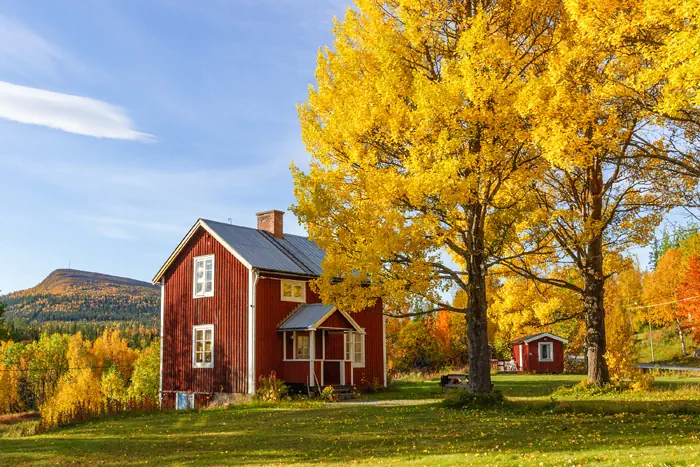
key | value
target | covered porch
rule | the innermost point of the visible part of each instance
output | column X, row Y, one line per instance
column 317, row 346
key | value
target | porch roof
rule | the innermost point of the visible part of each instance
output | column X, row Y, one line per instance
column 309, row 317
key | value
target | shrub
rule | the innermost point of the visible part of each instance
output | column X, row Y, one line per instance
column 113, row 387
column 270, row 389
column 145, row 381
column 465, row 399
column 329, row 394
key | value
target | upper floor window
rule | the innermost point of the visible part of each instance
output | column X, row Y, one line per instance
column 203, row 346
column 293, row 291
column 355, row 348
column 204, row 276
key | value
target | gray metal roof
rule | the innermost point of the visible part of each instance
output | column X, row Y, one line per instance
column 306, row 317
column 291, row 254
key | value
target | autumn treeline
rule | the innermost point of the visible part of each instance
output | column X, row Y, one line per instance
column 68, row 377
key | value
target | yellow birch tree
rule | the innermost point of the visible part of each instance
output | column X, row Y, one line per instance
column 418, row 152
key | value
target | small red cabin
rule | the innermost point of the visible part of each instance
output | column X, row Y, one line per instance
column 539, row 353
column 236, row 305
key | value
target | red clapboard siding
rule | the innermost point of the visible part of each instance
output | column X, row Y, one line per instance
column 270, row 312
column 334, row 346
column 227, row 310
column 371, row 320
column 336, row 320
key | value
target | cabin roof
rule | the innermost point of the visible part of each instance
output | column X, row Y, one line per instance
column 310, row 316
column 534, row 337
column 292, row 254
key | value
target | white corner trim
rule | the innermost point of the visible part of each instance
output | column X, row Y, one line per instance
column 252, row 287
column 384, row 344
column 162, row 318
column 546, row 334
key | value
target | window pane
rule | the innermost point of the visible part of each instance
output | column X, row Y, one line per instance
column 207, row 357
column 286, row 290
column 297, row 291
column 207, row 287
column 207, row 334
column 199, row 334
column 209, row 264
column 198, row 357
column 198, row 288
column 209, row 275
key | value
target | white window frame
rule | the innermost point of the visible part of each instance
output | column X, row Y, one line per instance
column 540, row 346
column 203, row 328
column 349, row 342
column 292, row 284
column 204, row 260
column 297, row 339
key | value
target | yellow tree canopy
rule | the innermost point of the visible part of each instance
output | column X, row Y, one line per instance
column 417, row 144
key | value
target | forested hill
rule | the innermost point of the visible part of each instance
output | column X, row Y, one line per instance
column 71, row 295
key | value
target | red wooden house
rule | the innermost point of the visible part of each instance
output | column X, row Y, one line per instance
column 236, row 305
column 539, row 353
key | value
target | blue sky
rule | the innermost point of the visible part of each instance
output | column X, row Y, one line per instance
column 122, row 122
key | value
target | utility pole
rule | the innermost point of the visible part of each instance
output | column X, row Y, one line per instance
column 651, row 342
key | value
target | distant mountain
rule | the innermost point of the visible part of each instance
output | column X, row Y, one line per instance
column 72, row 295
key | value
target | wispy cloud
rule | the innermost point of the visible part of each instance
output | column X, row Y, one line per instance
column 24, row 51
column 74, row 114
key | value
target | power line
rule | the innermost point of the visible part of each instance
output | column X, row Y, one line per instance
column 665, row 303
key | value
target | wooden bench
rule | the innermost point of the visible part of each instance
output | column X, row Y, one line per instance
column 453, row 381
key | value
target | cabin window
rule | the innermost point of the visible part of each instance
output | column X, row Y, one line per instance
column 293, row 291
column 303, row 349
column 204, row 276
column 545, row 351
column 203, row 346
column 355, row 348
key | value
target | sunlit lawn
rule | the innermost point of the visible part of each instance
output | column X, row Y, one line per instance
column 533, row 429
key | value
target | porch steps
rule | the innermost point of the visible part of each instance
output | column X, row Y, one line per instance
column 344, row 391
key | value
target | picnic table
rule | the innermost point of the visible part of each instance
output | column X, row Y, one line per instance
column 453, row 381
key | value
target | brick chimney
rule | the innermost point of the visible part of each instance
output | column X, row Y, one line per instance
column 271, row 221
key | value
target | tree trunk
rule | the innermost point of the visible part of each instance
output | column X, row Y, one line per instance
column 681, row 337
column 595, row 331
column 594, row 284
column 478, row 342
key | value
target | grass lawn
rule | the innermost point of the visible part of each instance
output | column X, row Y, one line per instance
column 656, row 428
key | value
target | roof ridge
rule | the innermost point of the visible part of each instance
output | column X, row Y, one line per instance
column 253, row 228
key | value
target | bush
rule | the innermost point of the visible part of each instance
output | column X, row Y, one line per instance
column 270, row 389
column 329, row 394
column 464, row 399
column 145, row 381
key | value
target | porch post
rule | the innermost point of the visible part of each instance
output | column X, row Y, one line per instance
column 284, row 345
column 312, row 355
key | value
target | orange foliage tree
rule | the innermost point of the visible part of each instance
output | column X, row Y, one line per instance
column 688, row 292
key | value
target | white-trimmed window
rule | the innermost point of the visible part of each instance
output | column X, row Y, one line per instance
column 545, row 351
column 204, row 276
column 355, row 348
column 293, row 291
column 302, row 347
column 203, row 346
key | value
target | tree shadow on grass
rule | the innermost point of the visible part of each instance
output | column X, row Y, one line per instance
column 250, row 436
